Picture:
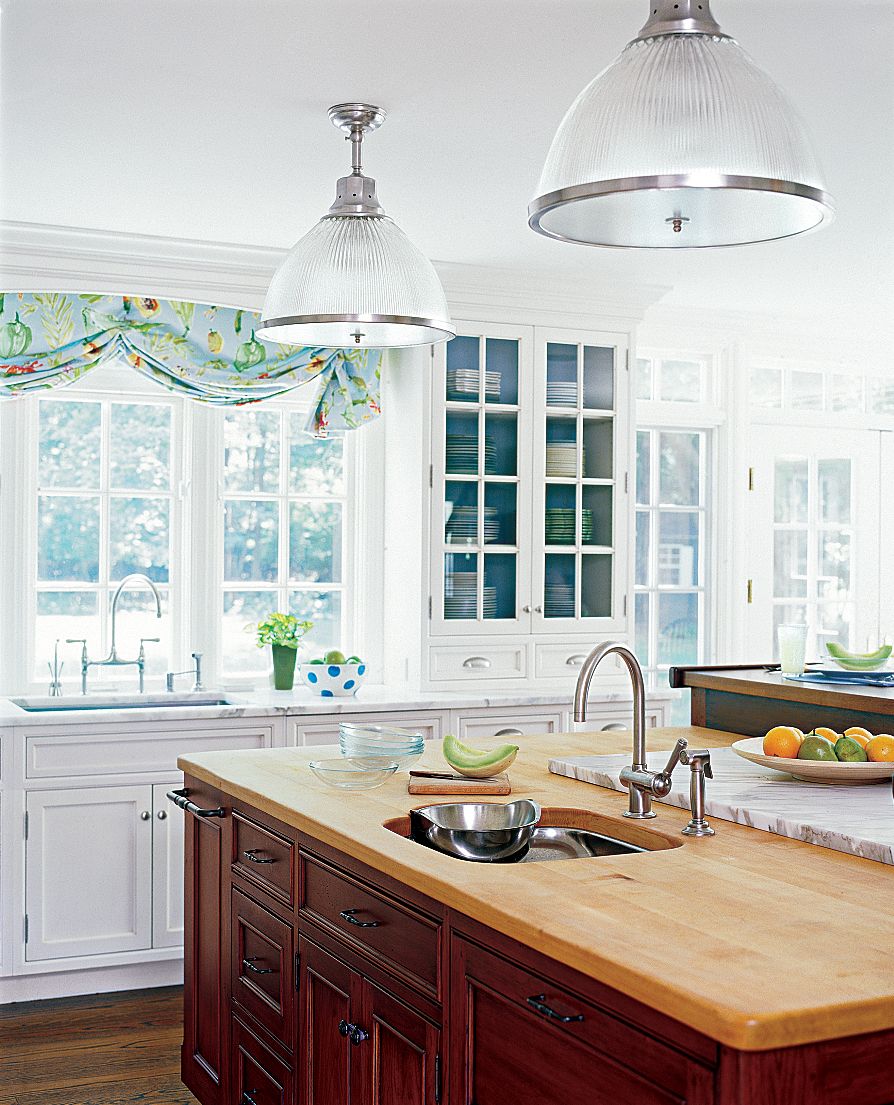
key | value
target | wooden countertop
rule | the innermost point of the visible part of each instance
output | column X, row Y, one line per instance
column 755, row 940
column 770, row 684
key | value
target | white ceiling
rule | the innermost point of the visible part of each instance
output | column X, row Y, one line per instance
column 206, row 119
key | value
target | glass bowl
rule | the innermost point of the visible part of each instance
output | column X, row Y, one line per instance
column 362, row 773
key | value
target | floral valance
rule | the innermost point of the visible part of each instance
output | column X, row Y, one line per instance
column 49, row 340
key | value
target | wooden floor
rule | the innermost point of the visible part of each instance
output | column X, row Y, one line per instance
column 105, row 1049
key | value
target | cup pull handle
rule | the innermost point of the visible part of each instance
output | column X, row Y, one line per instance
column 477, row 662
column 348, row 915
column 576, row 661
column 509, row 733
column 538, row 1002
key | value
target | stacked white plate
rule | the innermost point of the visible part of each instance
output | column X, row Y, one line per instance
column 560, row 529
column 560, row 393
column 561, row 458
column 558, row 600
column 464, row 381
column 461, row 594
column 462, row 454
column 364, row 743
column 462, row 525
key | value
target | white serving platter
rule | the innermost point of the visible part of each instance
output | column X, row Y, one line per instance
column 815, row 771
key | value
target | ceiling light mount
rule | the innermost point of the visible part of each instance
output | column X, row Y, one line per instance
column 356, row 194
column 680, row 17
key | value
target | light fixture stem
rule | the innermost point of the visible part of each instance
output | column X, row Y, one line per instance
column 356, row 140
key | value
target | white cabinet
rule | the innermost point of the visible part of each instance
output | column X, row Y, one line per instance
column 167, row 871
column 324, row 730
column 471, row 725
column 88, row 871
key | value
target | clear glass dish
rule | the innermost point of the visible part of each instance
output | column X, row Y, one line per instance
column 360, row 773
column 380, row 733
column 403, row 757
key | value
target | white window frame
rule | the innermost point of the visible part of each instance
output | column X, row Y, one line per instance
column 196, row 569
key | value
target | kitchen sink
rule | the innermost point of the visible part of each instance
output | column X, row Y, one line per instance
column 569, row 834
column 48, row 705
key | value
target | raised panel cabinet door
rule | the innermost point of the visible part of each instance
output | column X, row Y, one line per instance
column 330, row 1000
column 399, row 1054
column 167, row 871
column 88, row 872
column 204, row 1014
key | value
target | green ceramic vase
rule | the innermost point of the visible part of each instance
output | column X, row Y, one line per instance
column 283, row 667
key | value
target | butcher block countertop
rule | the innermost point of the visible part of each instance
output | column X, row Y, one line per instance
column 755, row 940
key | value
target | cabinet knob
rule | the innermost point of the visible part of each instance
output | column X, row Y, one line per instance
column 345, row 1028
column 538, row 609
column 358, row 1036
column 162, row 815
column 145, row 816
column 478, row 662
column 526, row 609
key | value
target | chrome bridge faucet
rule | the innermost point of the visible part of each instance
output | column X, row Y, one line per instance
column 642, row 784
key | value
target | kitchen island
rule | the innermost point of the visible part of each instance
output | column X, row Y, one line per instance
column 736, row 969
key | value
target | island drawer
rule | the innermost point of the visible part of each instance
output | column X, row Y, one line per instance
column 529, row 1037
column 262, row 966
column 401, row 938
column 264, row 858
column 257, row 1075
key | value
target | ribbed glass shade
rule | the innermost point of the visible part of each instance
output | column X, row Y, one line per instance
column 356, row 275
column 680, row 130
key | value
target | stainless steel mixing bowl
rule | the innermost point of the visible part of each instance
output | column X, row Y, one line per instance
column 487, row 832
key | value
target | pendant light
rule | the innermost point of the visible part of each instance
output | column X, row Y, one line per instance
column 682, row 142
column 355, row 280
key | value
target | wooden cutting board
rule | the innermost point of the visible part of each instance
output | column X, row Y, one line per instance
column 497, row 784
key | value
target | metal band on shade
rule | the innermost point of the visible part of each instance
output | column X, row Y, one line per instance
column 701, row 181
column 444, row 326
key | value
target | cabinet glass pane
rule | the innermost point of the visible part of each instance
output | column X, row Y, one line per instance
column 846, row 393
column 463, row 370
column 681, row 381
column 790, row 490
column 69, row 447
column 806, row 393
column 462, row 443
column 834, row 490
column 596, row 516
column 501, row 444
column 833, row 565
column 766, row 387
column 461, row 512
column 641, row 630
column 561, row 375
column 678, row 544
column 68, row 537
column 558, row 587
column 598, row 453
column 881, row 396
column 599, row 378
column 679, row 469
column 596, row 585
column 499, row 585
column 501, row 370
column 643, row 378
column 561, row 447
column 500, row 513
column 643, row 466
column 678, row 628
column 460, row 586
column 561, row 515
column 643, row 533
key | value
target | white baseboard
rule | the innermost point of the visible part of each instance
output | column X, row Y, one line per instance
column 103, row 980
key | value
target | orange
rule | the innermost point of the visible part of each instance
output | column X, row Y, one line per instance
column 880, row 749
column 825, row 731
column 783, row 740
column 858, row 731
column 858, row 736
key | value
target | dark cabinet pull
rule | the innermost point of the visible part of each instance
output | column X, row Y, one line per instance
column 345, row 1028
column 348, row 915
column 252, row 856
column 248, row 1098
column 358, row 1036
column 178, row 797
column 249, row 965
column 538, row 1002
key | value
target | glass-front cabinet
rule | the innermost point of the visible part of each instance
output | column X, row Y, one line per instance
column 530, row 452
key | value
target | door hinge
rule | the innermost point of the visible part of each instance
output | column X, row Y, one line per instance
column 627, row 360
column 626, row 483
column 437, row 1080
column 625, row 606
column 297, row 970
column 26, row 824
column 431, row 475
column 749, row 591
column 751, row 479
column 429, row 607
column 26, row 928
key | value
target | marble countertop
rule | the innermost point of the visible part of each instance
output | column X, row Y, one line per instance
column 373, row 698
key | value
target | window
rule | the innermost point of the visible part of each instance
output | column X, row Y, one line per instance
column 671, row 535
column 672, row 380
column 104, row 509
column 284, row 531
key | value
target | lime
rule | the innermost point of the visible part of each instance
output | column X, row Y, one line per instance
column 334, row 657
column 816, row 748
column 850, row 751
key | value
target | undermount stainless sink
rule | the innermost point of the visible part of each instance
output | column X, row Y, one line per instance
column 48, row 705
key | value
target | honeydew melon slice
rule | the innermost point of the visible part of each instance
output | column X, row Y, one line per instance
column 858, row 661
column 473, row 762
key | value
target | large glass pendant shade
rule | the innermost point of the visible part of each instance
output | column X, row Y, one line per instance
column 681, row 142
column 355, row 280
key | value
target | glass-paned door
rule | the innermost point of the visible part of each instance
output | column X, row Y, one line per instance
column 813, row 537
column 482, row 485
column 579, row 514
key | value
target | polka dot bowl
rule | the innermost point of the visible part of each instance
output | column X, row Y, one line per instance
column 333, row 680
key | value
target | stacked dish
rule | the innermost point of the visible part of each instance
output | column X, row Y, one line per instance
column 561, row 393
column 560, row 525
column 558, row 600
column 462, row 525
column 561, row 458
column 461, row 596
column 462, row 454
column 369, row 745
column 464, row 382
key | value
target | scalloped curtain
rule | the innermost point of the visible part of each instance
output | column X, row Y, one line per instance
column 208, row 353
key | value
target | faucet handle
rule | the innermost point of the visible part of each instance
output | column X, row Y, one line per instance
column 675, row 756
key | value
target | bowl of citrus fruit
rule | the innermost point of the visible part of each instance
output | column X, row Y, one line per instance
column 851, row 758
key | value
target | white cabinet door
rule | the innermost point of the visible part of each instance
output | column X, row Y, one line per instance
column 88, row 864
column 167, row 870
